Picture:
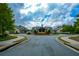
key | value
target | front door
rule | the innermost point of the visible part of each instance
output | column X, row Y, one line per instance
column 41, row 29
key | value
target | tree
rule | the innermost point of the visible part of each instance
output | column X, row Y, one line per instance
column 77, row 15
column 76, row 25
column 68, row 28
column 72, row 29
column 6, row 19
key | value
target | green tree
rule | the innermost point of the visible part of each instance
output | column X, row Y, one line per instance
column 72, row 29
column 68, row 28
column 76, row 25
column 6, row 19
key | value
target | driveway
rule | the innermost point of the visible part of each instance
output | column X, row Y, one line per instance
column 39, row 45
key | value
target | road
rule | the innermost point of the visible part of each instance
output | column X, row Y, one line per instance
column 39, row 46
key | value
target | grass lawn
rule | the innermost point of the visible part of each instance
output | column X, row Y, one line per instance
column 7, row 38
column 76, row 38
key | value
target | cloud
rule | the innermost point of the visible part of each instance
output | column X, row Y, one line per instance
column 59, row 14
column 75, row 10
column 15, row 9
column 48, row 14
column 32, row 8
column 31, row 24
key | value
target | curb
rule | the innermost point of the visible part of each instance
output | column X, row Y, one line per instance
column 68, row 46
column 13, row 44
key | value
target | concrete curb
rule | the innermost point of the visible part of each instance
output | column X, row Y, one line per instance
column 3, row 48
column 66, row 45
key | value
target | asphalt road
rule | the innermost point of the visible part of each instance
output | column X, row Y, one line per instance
column 39, row 46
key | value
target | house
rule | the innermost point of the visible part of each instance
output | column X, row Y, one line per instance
column 41, row 30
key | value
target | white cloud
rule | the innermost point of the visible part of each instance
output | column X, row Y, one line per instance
column 31, row 24
column 59, row 15
column 31, row 7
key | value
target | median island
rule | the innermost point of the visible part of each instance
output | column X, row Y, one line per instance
column 9, row 41
column 7, row 38
column 71, row 41
column 76, row 38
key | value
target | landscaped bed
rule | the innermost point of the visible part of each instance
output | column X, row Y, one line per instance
column 7, row 38
column 65, row 42
column 76, row 38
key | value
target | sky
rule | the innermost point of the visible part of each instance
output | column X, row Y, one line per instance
column 46, row 14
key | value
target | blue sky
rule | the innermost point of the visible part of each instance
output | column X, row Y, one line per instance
column 48, row 14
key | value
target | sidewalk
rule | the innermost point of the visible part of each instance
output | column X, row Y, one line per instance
column 6, row 44
column 72, row 43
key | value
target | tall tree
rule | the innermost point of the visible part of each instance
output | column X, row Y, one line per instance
column 6, row 19
column 76, row 25
column 68, row 28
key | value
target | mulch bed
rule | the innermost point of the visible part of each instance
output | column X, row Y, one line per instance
column 75, row 38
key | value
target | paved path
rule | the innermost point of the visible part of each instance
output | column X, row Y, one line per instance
column 39, row 46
